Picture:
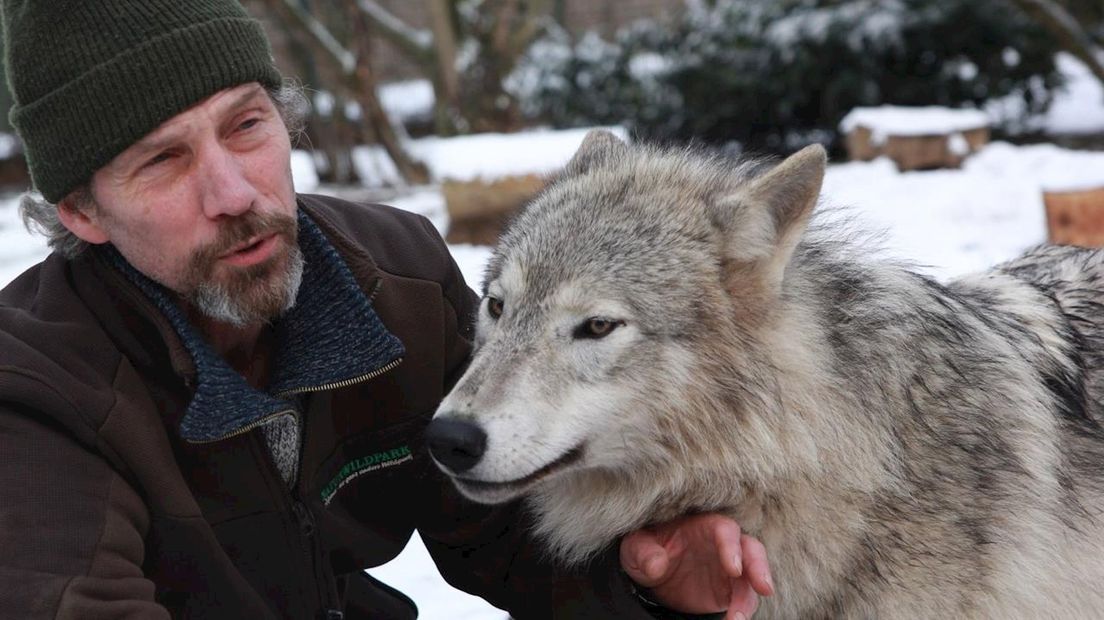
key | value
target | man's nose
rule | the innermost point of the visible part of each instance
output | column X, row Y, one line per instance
column 226, row 188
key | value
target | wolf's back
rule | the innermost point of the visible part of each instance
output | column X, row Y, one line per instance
column 1073, row 278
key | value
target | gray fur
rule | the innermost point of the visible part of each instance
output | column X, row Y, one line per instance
column 903, row 448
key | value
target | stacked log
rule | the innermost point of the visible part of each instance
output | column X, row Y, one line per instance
column 479, row 210
column 1075, row 217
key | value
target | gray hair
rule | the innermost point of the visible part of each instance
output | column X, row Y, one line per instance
column 41, row 216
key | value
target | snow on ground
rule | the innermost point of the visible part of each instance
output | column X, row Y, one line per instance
column 951, row 222
column 948, row 222
column 408, row 100
column 486, row 156
column 18, row 249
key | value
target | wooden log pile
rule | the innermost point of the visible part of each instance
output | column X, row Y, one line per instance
column 1075, row 216
column 479, row 210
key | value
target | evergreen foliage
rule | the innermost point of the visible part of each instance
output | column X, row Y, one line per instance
column 775, row 74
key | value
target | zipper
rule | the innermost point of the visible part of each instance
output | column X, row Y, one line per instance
column 252, row 425
column 304, row 518
column 375, row 289
column 292, row 412
column 323, row 584
column 342, row 384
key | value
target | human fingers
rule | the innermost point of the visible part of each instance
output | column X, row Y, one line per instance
column 727, row 538
column 644, row 559
column 743, row 601
column 756, row 565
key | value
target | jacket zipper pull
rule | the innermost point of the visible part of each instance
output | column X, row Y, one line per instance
column 305, row 519
column 306, row 528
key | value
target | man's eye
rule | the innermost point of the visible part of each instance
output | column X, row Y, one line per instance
column 249, row 124
column 158, row 159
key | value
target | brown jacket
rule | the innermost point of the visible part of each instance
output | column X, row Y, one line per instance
column 108, row 511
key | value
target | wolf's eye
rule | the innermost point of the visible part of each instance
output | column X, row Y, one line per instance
column 494, row 307
column 595, row 328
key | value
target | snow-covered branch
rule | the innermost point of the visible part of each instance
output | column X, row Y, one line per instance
column 1064, row 27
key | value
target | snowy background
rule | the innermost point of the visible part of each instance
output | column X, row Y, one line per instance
column 947, row 222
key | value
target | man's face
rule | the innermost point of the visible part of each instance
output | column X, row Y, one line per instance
column 205, row 206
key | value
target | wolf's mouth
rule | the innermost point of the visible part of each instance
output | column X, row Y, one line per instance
column 516, row 486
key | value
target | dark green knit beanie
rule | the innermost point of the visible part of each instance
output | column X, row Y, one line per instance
column 92, row 77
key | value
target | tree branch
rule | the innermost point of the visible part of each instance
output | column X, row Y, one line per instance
column 1064, row 27
column 321, row 38
column 503, row 22
column 417, row 44
column 354, row 69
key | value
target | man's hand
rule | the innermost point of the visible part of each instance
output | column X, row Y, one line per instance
column 699, row 564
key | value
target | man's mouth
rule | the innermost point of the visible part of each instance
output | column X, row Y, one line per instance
column 251, row 252
column 510, row 488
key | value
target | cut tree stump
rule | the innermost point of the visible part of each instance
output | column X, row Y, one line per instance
column 1075, row 217
column 919, row 138
column 479, row 210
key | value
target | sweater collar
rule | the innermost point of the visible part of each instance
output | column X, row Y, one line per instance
column 330, row 338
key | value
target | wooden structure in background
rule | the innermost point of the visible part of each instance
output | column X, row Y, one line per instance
column 915, row 137
column 917, row 152
column 479, row 210
column 1075, row 217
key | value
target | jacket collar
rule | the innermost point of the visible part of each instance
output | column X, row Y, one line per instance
column 331, row 337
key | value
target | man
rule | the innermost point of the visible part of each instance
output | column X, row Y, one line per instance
column 212, row 393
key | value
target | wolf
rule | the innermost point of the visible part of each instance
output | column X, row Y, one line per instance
column 665, row 332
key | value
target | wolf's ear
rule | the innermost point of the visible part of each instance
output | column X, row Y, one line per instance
column 790, row 189
column 773, row 211
column 599, row 145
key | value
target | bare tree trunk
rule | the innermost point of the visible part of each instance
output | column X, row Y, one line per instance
column 559, row 12
column 328, row 134
column 434, row 52
column 1065, row 28
column 447, row 81
column 341, row 158
column 359, row 80
column 476, row 100
column 503, row 39
column 412, row 171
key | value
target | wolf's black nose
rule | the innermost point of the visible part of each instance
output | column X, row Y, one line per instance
column 456, row 444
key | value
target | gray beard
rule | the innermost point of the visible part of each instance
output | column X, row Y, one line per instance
column 270, row 301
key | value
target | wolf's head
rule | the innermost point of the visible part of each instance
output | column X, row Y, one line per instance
column 621, row 319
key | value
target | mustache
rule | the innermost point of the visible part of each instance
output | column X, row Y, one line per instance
column 238, row 231
column 245, row 227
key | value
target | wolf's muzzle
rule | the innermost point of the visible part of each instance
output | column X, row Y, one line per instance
column 456, row 444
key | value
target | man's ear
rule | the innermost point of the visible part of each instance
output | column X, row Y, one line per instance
column 79, row 216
